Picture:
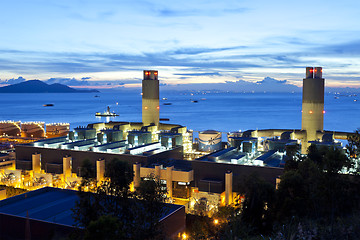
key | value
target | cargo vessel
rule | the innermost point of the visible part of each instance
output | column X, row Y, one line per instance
column 106, row 114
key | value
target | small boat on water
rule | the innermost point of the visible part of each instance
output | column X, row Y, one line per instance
column 194, row 101
column 48, row 105
column 164, row 119
column 167, row 103
column 106, row 114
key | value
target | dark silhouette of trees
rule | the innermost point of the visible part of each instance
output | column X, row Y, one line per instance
column 318, row 197
column 317, row 188
column 353, row 145
column 256, row 208
column 109, row 210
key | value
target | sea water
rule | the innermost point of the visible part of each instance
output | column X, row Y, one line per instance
column 200, row 111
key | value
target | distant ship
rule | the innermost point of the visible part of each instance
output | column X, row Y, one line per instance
column 106, row 114
column 48, row 105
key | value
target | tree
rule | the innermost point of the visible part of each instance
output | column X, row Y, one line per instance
column 87, row 171
column 256, row 208
column 353, row 145
column 106, row 227
column 120, row 213
column 317, row 188
column 152, row 196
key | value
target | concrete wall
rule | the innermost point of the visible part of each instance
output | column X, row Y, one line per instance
column 216, row 171
column 13, row 227
column 174, row 223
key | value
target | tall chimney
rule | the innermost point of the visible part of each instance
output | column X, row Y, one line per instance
column 312, row 119
column 150, row 98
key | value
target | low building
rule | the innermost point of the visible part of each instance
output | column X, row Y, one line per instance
column 46, row 213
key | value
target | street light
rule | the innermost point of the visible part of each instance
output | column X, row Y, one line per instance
column 184, row 236
column 216, row 221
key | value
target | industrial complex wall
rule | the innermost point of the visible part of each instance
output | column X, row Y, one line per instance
column 212, row 175
column 51, row 157
column 174, row 222
column 16, row 227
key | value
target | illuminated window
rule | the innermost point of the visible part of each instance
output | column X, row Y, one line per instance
column 310, row 111
column 145, row 108
column 157, row 107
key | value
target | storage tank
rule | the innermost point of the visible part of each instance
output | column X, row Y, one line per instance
column 209, row 141
column 82, row 133
column 10, row 128
column 57, row 129
column 33, row 129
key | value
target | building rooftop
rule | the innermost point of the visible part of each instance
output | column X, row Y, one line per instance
column 46, row 204
column 51, row 205
column 234, row 156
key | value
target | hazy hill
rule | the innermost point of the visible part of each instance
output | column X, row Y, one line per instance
column 37, row 86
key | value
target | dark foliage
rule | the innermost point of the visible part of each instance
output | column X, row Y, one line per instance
column 353, row 145
column 12, row 191
column 112, row 211
column 314, row 200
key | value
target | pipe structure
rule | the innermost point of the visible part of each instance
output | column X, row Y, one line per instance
column 228, row 187
column 137, row 178
column 100, row 170
column 36, row 162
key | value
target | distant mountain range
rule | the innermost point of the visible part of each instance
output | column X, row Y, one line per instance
column 37, row 86
column 268, row 84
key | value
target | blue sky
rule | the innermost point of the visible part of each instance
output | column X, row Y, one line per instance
column 187, row 41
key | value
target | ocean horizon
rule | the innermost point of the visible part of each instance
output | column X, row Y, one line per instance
column 199, row 111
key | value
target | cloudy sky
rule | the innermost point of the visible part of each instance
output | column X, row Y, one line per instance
column 187, row 41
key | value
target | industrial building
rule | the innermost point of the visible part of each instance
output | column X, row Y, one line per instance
column 47, row 214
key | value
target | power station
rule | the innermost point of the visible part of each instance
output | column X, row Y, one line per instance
column 150, row 98
column 192, row 172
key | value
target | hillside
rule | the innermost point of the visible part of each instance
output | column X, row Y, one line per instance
column 37, row 86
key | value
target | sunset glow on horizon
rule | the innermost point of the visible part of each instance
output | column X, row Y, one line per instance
column 203, row 42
